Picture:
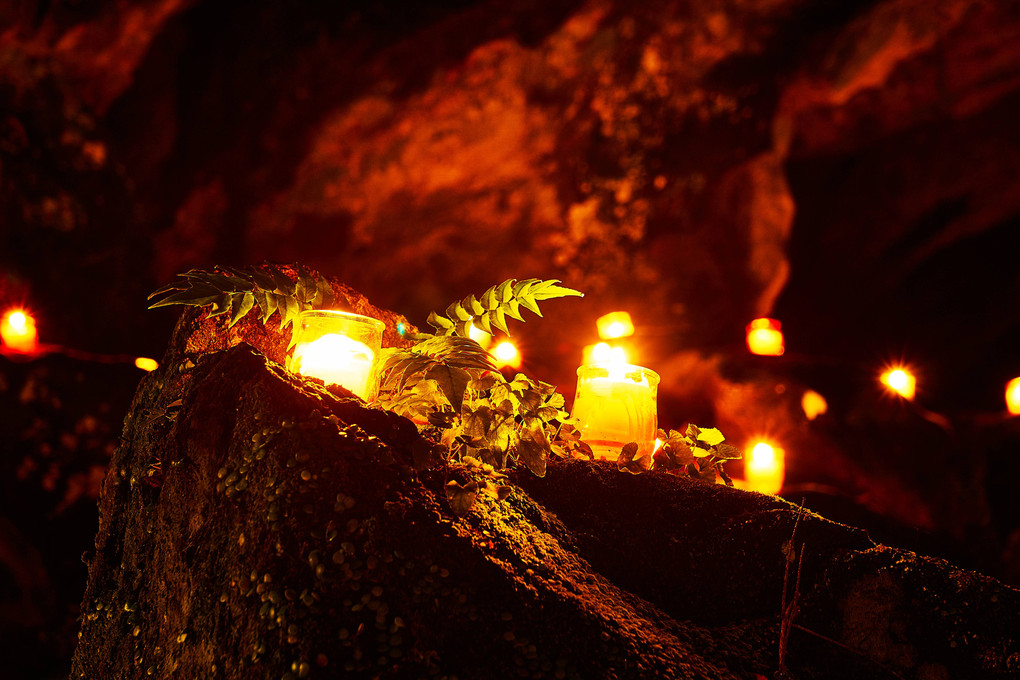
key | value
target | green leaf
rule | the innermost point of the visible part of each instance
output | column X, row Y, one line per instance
column 497, row 318
column 533, row 455
column 727, row 452
column 461, row 498
column 710, row 436
column 505, row 290
column 439, row 322
column 451, row 381
column 627, row 462
column 239, row 306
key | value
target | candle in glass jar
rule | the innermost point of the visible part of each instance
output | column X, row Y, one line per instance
column 338, row 348
column 615, row 405
column 337, row 359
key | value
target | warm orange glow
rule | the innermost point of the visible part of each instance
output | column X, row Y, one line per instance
column 813, row 404
column 764, row 467
column 1013, row 396
column 603, row 353
column 615, row 325
column 615, row 404
column 901, row 381
column 146, row 364
column 506, row 354
column 478, row 335
column 765, row 337
column 17, row 331
column 337, row 359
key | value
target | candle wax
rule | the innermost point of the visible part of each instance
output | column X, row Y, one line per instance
column 337, row 359
column 612, row 411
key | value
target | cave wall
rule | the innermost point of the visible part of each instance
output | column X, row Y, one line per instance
column 849, row 167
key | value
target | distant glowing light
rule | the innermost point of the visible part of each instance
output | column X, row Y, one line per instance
column 17, row 331
column 901, row 381
column 146, row 364
column 1013, row 396
column 813, row 404
column 615, row 325
column 764, row 467
column 765, row 337
column 506, row 354
column 478, row 335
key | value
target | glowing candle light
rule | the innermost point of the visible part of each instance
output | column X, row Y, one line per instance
column 1013, row 396
column 506, row 354
column 615, row 325
column 339, row 348
column 17, row 331
column 479, row 335
column 614, row 405
column 901, row 381
column 146, row 364
column 765, row 337
column 813, row 404
column 764, row 468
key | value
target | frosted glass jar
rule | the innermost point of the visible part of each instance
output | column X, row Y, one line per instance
column 340, row 348
column 616, row 404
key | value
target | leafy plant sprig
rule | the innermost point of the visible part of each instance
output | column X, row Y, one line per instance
column 698, row 452
column 236, row 291
column 491, row 308
column 449, row 381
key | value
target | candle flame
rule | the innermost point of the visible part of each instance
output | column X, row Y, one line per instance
column 1013, row 396
column 615, row 325
column 765, row 337
column 17, row 331
column 900, row 380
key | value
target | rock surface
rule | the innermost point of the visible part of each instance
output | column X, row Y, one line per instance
column 254, row 524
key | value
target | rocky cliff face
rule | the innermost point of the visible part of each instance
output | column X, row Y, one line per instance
column 254, row 524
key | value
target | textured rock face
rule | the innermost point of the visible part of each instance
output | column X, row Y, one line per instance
column 254, row 524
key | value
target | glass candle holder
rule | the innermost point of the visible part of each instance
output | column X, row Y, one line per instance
column 614, row 405
column 340, row 348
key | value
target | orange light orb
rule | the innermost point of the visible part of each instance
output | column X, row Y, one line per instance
column 765, row 337
column 17, row 331
column 900, row 380
column 146, row 364
column 1013, row 396
column 764, row 468
column 615, row 325
column 506, row 354
column 813, row 404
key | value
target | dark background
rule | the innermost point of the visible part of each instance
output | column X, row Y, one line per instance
column 850, row 168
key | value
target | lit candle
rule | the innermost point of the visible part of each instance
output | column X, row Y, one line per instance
column 615, row 325
column 901, row 381
column 339, row 348
column 765, row 337
column 17, row 331
column 1013, row 397
column 506, row 354
column 764, row 468
column 615, row 405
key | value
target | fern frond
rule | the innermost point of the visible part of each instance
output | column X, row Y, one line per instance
column 491, row 309
column 236, row 291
